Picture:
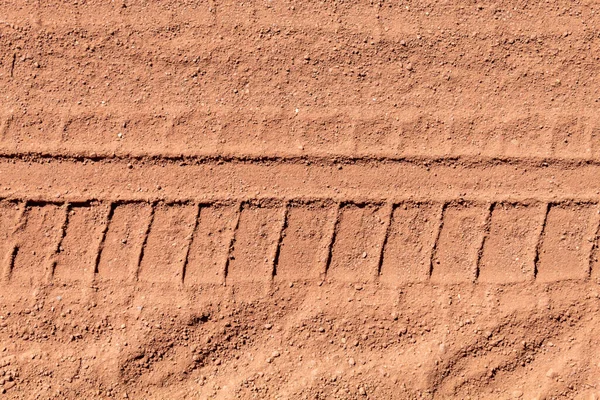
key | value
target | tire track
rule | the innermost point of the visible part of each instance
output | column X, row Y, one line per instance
column 79, row 182
column 581, row 245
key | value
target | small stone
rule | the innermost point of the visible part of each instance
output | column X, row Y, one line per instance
column 119, row 135
column 275, row 354
column 551, row 374
column 364, row 254
column 268, row 326
column 409, row 67
column 362, row 391
column 321, row 329
column 517, row 394
column 352, row 362
column 125, row 396
column 123, row 326
column 269, row 360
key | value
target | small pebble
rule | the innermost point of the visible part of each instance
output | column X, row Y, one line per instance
column 268, row 326
column 551, row 374
column 352, row 362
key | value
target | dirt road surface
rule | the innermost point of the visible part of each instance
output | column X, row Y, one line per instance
column 299, row 200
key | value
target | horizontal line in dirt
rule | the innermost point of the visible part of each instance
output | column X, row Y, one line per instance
column 420, row 160
column 67, row 180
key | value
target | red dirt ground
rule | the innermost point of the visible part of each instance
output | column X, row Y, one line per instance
column 314, row 200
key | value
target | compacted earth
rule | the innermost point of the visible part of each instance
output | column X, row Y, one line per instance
column 299, row 200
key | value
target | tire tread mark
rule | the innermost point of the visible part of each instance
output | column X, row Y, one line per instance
column 277, row 246
column 541, row 233
column 19, row 223
column 232, row 242
column 140, row 255
column 390, row 207
column 107, row 221
column 189, row 243
column 51, row 257
column 5, row 127
column 433, row 253
column 594, row 232
column 12, row 65
column 331, row 238
column 487, row 226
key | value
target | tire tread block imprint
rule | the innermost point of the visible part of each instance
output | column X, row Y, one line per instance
column 120, row 253
column 167, row 243
column 459, row 242
column 357, row 243
column 77, row 254
column 37, row 235
column 509, row 249
column 412, row 233
column 207, row 257
column 304, row 247
column 253, row 249
column 566, row 243
column 8, row 221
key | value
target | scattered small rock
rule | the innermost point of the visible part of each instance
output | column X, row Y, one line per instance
column 352, row 362
column 551, row 374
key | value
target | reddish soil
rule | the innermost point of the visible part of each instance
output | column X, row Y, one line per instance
column 314, row 200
